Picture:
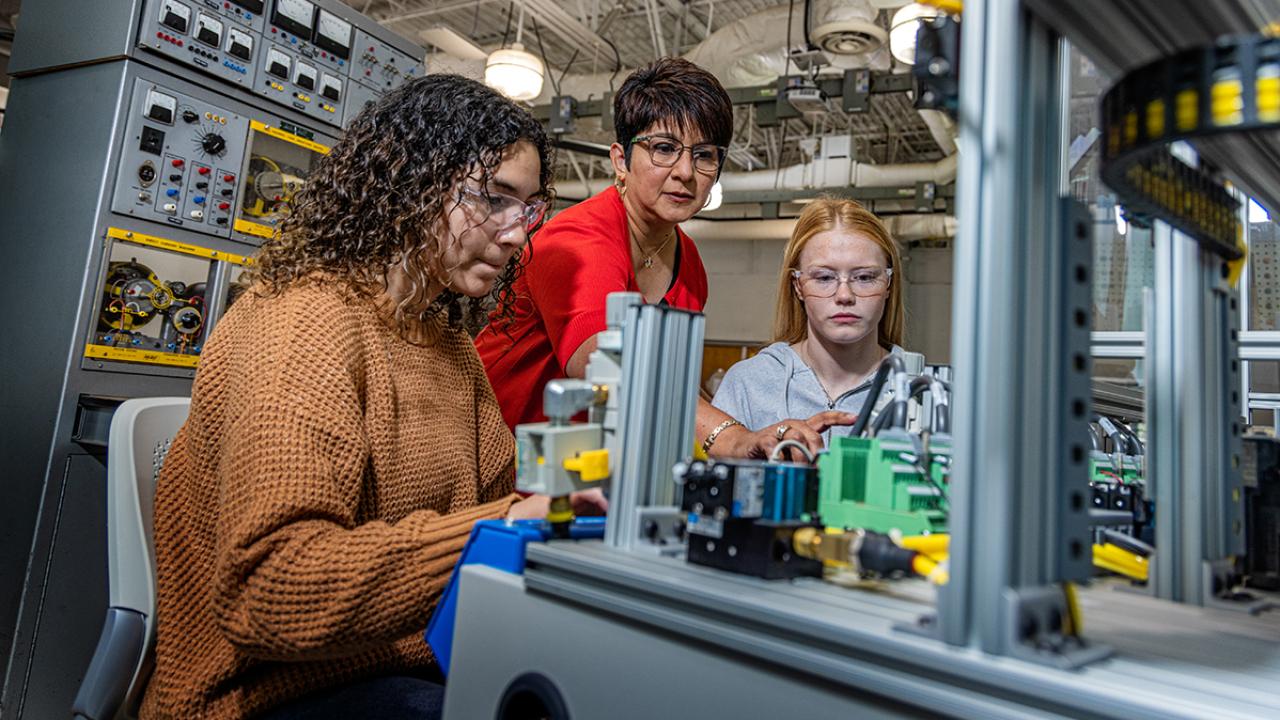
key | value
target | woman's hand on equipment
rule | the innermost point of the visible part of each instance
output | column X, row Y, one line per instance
column 741, row 443
column 535, row 507
column 587, row 503
column 830, row 418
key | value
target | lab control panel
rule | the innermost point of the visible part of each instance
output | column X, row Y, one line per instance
column 181, row 160
column 219, row 38
column 297, row 53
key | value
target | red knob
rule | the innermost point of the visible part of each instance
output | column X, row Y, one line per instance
column 177, row 162
column 224, row 206
column 203, row 171
column 228, row 178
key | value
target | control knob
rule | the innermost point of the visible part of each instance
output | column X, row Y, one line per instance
column 213, row 144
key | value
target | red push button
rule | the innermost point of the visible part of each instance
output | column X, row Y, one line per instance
column 203, row 171
column 177, row 162
column 228, row 178
column 224, row 206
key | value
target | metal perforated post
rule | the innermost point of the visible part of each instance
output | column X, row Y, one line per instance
column 661, row 352
column 1018, row 524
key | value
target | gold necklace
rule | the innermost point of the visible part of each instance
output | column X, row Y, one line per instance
column 648, row 257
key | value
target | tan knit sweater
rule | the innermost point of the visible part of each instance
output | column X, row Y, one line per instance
column 313, row 506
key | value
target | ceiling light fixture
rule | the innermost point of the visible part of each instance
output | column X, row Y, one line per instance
column 903, row 28
column 513, row 71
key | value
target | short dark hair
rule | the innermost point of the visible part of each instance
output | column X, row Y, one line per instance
column 677, row 91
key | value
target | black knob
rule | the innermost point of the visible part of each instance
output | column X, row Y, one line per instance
column 189, row 116
column 213, row 144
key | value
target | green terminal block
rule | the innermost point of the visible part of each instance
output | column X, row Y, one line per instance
column 877, row 484
column 1102, row 468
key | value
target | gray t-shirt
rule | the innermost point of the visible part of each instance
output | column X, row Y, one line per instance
column 776, row 384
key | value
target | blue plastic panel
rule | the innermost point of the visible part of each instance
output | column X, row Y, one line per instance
column 498, row 544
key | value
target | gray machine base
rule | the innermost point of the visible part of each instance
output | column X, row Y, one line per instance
column 606, row 667
column 625, row 635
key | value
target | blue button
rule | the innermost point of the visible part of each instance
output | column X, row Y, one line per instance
column 248, row 16
column 199, row 200
column 293, row 40
column 171, row 192
column 341, row 62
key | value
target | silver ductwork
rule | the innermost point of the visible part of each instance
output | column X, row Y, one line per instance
column 903, row 228
column 818, row 174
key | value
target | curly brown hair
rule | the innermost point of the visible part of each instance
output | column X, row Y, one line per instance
column 379, row 198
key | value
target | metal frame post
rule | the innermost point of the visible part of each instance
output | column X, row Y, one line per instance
column 660, row 354
column 1018, row 524
column 1193, row 418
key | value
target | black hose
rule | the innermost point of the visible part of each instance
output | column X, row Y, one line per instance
column 873, row 394
column 617, row 62
column 807, row 7
column 1135, row 445
column 1095, row 441
column 879, row 554
column 555, row 84
column 941, row 418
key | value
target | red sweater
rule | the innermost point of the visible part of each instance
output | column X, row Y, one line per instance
column 577, row 259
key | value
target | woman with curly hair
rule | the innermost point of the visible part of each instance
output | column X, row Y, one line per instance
column 343, row 437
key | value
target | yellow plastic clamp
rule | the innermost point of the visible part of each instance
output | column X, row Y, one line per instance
column 591, row 466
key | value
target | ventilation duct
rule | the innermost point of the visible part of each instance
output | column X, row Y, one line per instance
column 903, row 228
column 819, row 174
column 753, row 50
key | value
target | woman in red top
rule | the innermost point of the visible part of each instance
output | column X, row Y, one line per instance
column 673, row 120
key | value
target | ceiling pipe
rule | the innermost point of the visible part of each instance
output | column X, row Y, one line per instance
column 830, row 173
column 903, row 228
column 942, row 128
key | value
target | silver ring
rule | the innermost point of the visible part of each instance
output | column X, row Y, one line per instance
column 782, row 430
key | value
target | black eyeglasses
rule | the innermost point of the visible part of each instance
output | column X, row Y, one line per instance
column 666, row 152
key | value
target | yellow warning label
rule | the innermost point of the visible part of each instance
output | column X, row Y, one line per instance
column 153, row 357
